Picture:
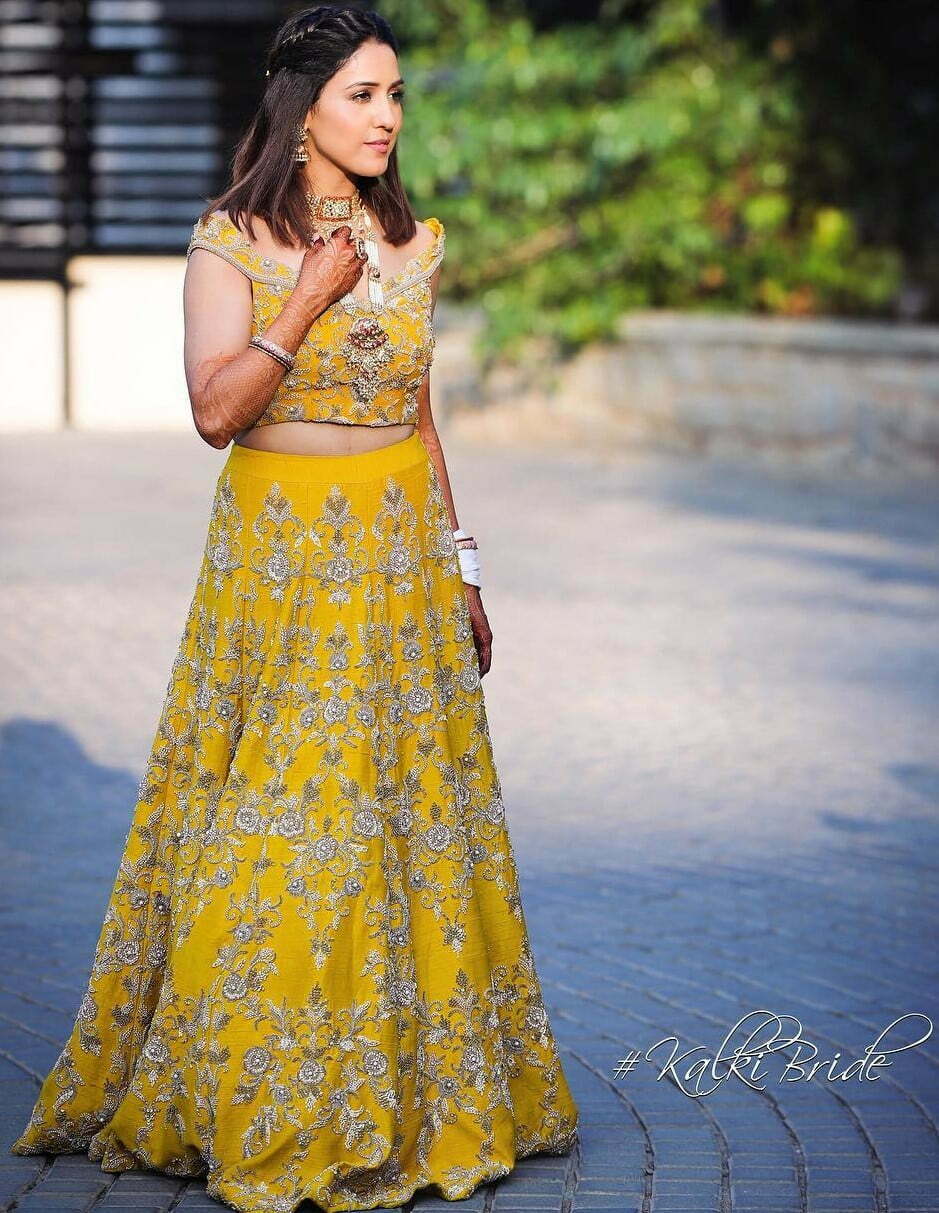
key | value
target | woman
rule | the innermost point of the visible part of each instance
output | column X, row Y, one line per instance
column 314, row 977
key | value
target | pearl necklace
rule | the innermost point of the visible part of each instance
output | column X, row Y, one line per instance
column 330, row 211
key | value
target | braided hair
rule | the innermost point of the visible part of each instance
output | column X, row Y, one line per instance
column 329, row 22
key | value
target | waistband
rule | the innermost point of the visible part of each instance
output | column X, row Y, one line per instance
column 361, row 466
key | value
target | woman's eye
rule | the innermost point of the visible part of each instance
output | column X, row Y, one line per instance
column 398, row 96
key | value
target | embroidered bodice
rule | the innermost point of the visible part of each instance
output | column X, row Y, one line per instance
column 359, row 364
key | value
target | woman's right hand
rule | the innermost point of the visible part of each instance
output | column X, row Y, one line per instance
column 330, row 269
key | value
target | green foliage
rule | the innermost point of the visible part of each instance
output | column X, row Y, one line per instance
column 591, row 169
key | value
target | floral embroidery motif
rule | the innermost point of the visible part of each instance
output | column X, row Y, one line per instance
column 314, row 978
column 279, row 555
column 222, row 548
column 398, row 552
column 338, row 559
column 357, row 364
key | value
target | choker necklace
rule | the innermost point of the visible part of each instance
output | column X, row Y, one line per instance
column 330, row 211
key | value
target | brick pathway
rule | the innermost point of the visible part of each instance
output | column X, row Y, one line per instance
column 714, row 707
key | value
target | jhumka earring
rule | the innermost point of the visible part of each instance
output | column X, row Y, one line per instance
column 301, row 155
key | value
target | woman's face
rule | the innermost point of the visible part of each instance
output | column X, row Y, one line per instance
column 358, row 115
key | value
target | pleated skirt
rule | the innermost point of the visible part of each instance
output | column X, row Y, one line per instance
column 314, row 978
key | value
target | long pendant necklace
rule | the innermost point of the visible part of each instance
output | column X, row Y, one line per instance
column 329, row 211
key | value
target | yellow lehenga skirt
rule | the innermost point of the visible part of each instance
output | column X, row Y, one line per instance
column 314, row 978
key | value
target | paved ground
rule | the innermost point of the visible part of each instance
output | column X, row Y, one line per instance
column 714, row 705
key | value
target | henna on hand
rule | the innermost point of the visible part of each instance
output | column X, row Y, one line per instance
column 240, row 388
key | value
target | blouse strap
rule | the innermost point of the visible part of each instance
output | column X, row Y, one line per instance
column 424, row 263
column 428, row 260
column 220, row 235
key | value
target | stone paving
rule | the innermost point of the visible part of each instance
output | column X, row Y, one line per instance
column 713, row 703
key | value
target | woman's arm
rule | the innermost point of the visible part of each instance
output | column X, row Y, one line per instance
column 231, row 383
column 425, row 418
column 482, row 633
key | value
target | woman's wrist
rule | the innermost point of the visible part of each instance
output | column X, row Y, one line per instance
column 308, row 303
column 466, row 550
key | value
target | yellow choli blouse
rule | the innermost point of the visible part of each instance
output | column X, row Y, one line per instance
column 359, row 364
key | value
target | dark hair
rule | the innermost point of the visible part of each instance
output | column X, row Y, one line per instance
column 306, row 52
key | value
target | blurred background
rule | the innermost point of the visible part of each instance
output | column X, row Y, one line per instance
column 702, row 225
column 687, row 375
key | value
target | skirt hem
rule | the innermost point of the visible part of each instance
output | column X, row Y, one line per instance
column 251, row 1204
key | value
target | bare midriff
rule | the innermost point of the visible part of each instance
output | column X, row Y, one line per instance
column 321, row 437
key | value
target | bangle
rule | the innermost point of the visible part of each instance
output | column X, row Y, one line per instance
column 466, row 547
column 284, row 357
column 469, row 567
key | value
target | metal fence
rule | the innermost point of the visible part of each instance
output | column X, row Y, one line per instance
column 117, row 119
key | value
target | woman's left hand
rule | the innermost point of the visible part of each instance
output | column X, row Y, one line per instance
column 482, row 634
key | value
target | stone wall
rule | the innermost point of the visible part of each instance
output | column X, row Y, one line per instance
column 812, row 392
column 827, row 392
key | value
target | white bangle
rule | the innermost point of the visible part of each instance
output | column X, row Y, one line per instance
column 469, row 566
column 468, row 557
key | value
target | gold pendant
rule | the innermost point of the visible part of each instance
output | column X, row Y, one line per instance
column 329, row 212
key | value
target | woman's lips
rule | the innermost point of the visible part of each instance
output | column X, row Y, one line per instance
column 380, row 145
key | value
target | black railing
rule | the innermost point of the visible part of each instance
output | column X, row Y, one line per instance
column 117, row 120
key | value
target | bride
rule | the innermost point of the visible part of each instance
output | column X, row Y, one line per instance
column 314, row 977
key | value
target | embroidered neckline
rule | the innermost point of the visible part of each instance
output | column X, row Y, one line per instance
column 393, row 284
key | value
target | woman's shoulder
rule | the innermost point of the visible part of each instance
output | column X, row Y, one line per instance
column 214, row 230
column 219, row 233
column 211, row 221
column 430, row 253
column 218, row 226
column 434, row 229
